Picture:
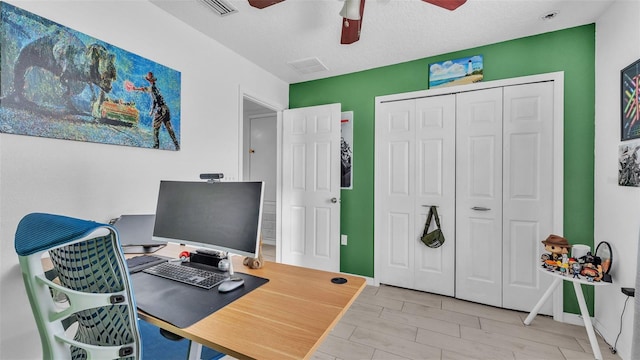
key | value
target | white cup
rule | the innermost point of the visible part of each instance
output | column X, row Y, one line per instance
column 579, row 250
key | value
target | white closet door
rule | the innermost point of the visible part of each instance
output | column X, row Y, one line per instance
column 528, row 192
column 435, row 185
column 479, row 196
column 414, row 169
column 395, row 185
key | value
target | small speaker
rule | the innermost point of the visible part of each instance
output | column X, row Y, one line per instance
column 205, row 259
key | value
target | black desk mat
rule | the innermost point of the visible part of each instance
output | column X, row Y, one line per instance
column 183, row 305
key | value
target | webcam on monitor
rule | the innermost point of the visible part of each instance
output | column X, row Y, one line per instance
column 212, row 177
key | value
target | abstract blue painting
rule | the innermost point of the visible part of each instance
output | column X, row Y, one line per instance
column 59, row 83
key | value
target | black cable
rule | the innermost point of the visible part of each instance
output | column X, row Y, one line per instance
column 613, row 348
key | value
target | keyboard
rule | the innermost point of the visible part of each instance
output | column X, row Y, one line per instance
column 188, row 275
column 139, row 263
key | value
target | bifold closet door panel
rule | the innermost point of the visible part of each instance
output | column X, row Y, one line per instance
column 414, row 170
column 528, row 192
column 395, row 188
column 435, row 185
column 479, row 196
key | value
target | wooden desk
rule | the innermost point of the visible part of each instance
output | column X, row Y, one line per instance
column 558, row 279
column 287, row 318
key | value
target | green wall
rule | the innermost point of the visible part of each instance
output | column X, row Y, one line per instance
column 571, row 50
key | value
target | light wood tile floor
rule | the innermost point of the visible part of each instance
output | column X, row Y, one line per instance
column 392, row 323
column 387, row 322
column 269, row 252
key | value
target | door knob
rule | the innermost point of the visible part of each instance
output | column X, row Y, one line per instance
column 334, row 200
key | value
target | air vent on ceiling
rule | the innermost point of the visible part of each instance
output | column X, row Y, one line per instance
column 308, row 66
column 221, row 7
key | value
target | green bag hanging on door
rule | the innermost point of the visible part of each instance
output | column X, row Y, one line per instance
column 435, row 238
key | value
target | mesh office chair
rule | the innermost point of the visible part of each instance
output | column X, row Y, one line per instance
column 89, row 310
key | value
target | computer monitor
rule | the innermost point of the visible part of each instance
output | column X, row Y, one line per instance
column 224, row 216
column 136, row 234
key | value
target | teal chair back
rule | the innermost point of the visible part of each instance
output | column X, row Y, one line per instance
column 84, row 307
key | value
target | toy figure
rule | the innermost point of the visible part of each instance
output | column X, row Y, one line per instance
column 590, row 259
column 591, row 267
column 557, row 246
column 564, row 265
column 576, row 267
column 546, row 260
column 592, row 272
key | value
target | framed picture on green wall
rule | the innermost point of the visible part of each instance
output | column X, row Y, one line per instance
column 461, row 71
column 346, row 152
column 629, row 94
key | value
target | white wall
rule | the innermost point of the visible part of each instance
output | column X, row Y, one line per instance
column 617, row 208
column 97, row 181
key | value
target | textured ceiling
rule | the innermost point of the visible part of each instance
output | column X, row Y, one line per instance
column 393, row 31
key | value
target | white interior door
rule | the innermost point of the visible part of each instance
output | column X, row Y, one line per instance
column 528, row 192
column 311, row 187
column 479, row 196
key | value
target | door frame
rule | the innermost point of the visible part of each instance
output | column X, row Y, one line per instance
column 277, row 108
column 558, row 144
column 266, row 120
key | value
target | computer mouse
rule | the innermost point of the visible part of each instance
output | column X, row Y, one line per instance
column 231, row 284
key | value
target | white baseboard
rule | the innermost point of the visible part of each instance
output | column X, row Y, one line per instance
column 271, row 242
column 573, row 319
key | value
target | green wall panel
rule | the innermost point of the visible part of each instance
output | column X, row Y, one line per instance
column 570, row 50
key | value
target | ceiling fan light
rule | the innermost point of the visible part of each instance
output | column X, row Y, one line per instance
column 351, row 10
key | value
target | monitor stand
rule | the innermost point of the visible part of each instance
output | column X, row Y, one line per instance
column 141, row 249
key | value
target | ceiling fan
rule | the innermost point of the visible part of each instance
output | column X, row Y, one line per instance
column 353, row 11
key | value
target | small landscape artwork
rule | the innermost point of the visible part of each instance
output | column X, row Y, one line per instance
column 59, row 83
column 462, row 71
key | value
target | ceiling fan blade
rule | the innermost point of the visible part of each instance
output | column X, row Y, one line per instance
column 261, row 4
column 351, row 28
column 447, row 4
